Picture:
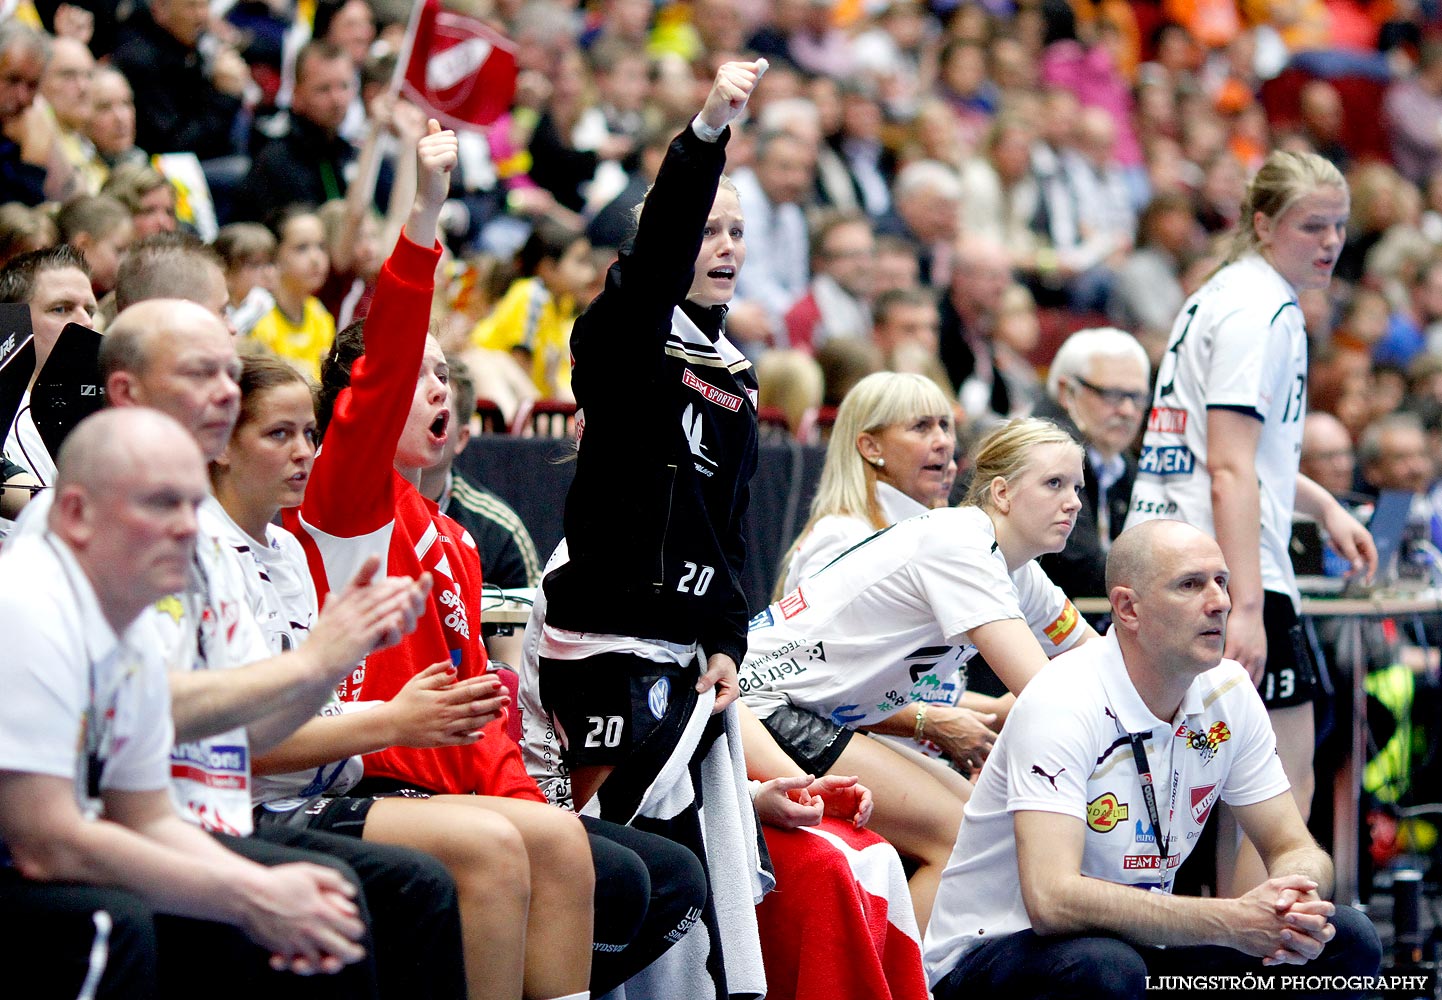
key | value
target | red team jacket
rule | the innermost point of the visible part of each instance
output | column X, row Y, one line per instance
column 357, row 505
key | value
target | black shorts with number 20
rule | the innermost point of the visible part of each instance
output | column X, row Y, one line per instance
column 1290, row 677
column 611, row 707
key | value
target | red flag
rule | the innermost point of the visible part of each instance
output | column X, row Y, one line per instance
column 460, row 71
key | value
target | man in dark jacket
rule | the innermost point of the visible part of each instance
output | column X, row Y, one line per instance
column 1098, row 389
column 969, row 312
column 308, row 163
column 188, row 102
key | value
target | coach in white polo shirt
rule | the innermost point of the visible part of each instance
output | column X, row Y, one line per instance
column 1060, row 881
column 97, row 864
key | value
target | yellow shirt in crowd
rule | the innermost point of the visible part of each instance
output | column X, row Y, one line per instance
column 530, row 318
column 304, row 343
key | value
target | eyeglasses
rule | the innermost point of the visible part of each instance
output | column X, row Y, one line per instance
column 1115, row 397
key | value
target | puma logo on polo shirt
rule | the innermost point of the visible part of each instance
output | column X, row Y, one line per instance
column 1036, row 769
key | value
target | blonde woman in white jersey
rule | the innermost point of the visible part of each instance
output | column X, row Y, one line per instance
column 891, row 456
column 875, row 644
column 1223, row 442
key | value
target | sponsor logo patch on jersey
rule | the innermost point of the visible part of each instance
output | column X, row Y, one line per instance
column 792, row 604
column 1167, row 420
column 213, row 765
column 1144, row 834
column 1206, row 743
column 1146, row 862
column 1203, row 798
column 1104, row 812
column 658, row 698
column 762, row 619
column 711, row 394
column 1167, row 460
column 1064, row 625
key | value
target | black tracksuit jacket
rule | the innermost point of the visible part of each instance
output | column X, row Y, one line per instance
column 668, row 442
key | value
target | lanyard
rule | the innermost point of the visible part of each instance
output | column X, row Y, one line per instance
column 1149, row 797
column 329, row 182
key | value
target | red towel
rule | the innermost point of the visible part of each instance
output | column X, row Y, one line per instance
column 839, row 925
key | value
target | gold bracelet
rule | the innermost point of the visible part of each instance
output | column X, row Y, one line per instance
column 920, row 734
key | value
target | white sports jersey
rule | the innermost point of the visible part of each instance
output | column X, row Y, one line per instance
column 282, row 597
column 212, row 626
column 282, row 594
column 1239, row 343
column 1065, row 749
column 885, row 624
column 72, row 686
column 835, row 533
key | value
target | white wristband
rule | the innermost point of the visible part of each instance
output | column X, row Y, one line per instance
column 705, row 132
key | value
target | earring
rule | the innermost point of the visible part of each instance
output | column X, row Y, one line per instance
column 880, row 463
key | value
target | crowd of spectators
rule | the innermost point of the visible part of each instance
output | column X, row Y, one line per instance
column 1031, row 169
column 1089, row 154
column 943, row 188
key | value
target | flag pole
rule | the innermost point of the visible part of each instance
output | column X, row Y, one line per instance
column 370, row 166
column 407, row 48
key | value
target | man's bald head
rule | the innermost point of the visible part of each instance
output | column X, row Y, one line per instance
column 1167, row 583
column 979, row 280
column 1137, row 558
column 176, row 356
column 1328, row 457
column 108, row 446
column 135, row 336
column 130, row 481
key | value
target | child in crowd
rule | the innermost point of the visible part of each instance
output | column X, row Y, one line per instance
column 533, row 320
column 248, row 250
column 354, row 248
column 1017, row 331
column 298, row 329
column 100, row 228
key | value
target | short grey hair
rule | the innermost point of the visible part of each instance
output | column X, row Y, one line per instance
column 1369, row 448
column 1077, row 352
column 928, row 175
column 778, row 116
column 17, row 34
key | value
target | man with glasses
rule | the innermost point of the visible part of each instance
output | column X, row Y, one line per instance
column 1098, row 389
column 1330, row 461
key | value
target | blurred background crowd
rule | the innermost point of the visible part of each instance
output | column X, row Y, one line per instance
column 949, row 188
